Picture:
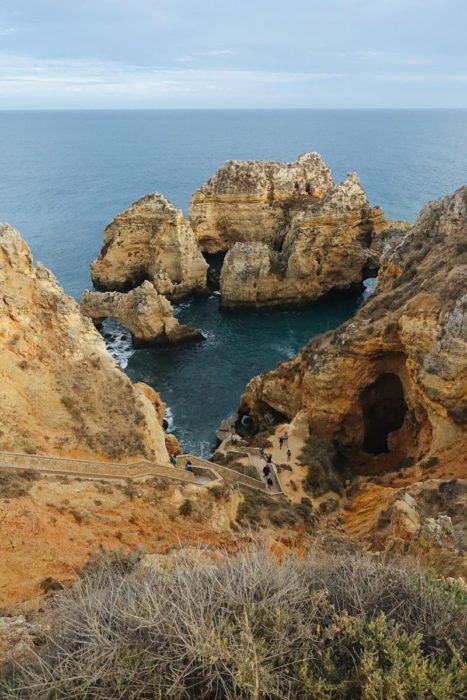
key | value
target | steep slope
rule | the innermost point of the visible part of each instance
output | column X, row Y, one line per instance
column 61, row 392
column 392, row 382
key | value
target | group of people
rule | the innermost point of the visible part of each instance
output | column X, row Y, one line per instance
column 284, row 442
column 269, row 468
column 188, row 463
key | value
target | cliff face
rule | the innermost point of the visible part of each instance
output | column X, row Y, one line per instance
column 61, row 392
column 147, row 314
column 250, row 200
column 151, row 240
column 329, row 245
column 392, row 382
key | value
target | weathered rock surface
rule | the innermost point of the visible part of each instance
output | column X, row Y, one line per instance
column 17, row 638
column 151, row 240
column 392, row 382
column 251, row 200
column 331, row 244
column 147, row 315
column 60, row 391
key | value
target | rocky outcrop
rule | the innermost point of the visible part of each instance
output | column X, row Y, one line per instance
column 18, row 638
column 151, row 240
column 147, row 315
column 391, row 383
column 61, row 392
column 330, row 245
column 252, row 200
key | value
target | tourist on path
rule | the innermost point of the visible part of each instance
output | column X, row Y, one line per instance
column 289, row 455
column 269, row 482
column 269, row 458
column 173, row 460
column 266, row 471
column 281, row 441
column 285, row 439
column 189, row 466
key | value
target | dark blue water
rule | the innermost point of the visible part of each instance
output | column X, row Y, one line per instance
column 64, row 176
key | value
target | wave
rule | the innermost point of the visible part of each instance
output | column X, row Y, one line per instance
column 118, row 342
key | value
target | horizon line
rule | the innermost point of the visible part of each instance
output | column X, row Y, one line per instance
column 229, row 109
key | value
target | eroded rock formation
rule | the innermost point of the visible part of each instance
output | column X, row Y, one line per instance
column 147, row 315
column 251, row 200
column 61, row 392
column 392, row 382
column 331, row 244
column 151, row 240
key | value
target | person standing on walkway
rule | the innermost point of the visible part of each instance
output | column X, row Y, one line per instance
column 189, row 466
column 289, row 455
column 285, row 438
column 266, row 471
column 281, row 441
column 173, row 460
column 269, row 482
column 269, row 458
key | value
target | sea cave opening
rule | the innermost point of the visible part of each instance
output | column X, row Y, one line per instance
column 384, row 409
column 215, row 262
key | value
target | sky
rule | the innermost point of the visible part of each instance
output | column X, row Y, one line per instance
column 146, row 54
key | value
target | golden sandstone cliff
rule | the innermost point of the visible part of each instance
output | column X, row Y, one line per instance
column 147, row 315
column 390, row 383
column 292, row 235
column 249, row 200
column 151, row 240
column 61, row 392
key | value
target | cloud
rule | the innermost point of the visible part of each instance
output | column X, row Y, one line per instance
column 135, row 78
column 7, row 31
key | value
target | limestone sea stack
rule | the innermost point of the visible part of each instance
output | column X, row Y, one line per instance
column 151, row 240
column 61, row 392
column 291, row 234
column 394, row 378
column 329, row 245
column 251, row 200
column 147, row 315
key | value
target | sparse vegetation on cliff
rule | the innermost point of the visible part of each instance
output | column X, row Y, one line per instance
column 249, row 627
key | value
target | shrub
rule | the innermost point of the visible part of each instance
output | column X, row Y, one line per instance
column 186, row 508
column 13, row 485
column 327, row 467
column 248, row 627
column 405, row 462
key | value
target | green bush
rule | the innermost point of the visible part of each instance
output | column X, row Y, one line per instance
column 186, row 508
column 326, row 466
column 14, row 484
column 248, row 627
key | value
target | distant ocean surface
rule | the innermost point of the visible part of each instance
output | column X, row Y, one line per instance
column 65, row 175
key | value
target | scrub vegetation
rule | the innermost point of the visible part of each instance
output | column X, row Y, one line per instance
column 249, row 627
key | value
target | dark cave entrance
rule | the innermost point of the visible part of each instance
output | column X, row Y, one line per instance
column 384, row 409
column 215, row 262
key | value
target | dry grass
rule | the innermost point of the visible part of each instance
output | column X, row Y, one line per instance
column 248, row 627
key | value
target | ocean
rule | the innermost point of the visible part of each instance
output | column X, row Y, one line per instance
column 65, row 175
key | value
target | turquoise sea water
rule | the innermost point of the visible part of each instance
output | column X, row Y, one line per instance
column 64, row 176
